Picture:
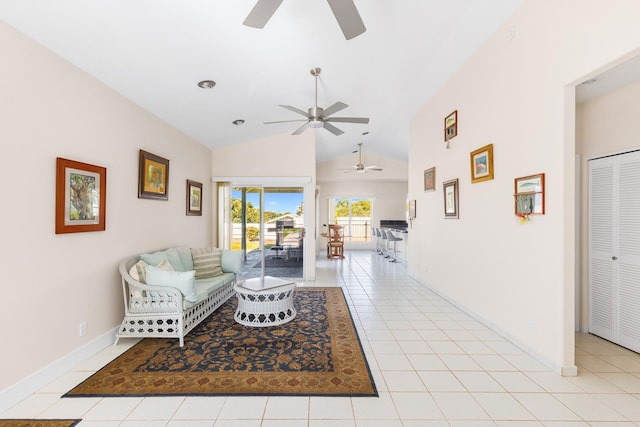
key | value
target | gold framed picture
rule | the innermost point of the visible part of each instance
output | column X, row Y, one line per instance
column 482, row 164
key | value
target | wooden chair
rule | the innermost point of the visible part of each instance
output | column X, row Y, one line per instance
column 335, row 245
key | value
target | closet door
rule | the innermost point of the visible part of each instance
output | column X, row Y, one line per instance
column 614, row 248
column 628, row 263
column 601, row 243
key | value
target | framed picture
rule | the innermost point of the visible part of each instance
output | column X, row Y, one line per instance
column 153, row 177
column 451, row 126
column 482, row 164
column 529, row 195
column 194, row 198
column 430, row 179
column 412, row 209
column 451, row 198
column 81, row 197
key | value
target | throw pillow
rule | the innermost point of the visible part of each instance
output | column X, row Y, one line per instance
column 231, row 261
column 207, row 262
column 185, row 257
column 170, row 255
column 137, row 271
column 183, row 280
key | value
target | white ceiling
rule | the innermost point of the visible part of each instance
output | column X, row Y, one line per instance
column 155, row 51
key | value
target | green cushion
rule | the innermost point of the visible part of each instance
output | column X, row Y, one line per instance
column 170, row 255
column 231, row 261
column 207, row 262
column 183, row 280
column 185, row 257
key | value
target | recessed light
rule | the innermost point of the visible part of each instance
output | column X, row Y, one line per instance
column 238, row 122
column 206, row 84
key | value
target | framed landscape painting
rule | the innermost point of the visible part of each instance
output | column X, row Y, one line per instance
column 194, row 198
column 81, row 196
column 153, row 177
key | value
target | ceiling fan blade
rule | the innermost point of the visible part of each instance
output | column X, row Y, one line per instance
column 373, row 168
column 348, row 18
column 294, row 109
column 284, row 121
column 363, row 120
column 338, row 106
column 331, row 128
column 300, row 129
column 261, row 13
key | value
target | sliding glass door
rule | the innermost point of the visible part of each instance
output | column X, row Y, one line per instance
column 268, row 226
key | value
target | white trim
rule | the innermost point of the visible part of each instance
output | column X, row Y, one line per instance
column 263, row 181
column 567, row 371
column 34, row 382
column 613, row 153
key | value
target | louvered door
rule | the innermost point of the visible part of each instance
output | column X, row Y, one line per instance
column 614, row 248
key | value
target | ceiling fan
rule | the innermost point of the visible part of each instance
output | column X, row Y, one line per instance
column 360, row 167
column 317, row 117
column 344, row 10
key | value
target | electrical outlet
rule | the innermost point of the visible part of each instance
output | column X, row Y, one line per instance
column 83, row 328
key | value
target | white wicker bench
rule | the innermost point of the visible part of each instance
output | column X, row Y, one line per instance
column 161, row 311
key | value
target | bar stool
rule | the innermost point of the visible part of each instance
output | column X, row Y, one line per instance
column 373, row 236
column 384, row 243
column 378, row 241
column 395, row 240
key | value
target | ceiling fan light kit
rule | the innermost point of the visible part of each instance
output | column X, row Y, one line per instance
column 317, row 117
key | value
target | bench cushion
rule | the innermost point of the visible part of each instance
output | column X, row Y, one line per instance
column 183, row 280
column 206, row 286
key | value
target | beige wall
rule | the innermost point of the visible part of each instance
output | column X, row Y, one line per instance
column 513, row 93
column 51, row 283
column 277, row 160
column 604, row 125
column 388, row 188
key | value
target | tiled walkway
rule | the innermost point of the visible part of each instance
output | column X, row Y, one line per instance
column 433, row 366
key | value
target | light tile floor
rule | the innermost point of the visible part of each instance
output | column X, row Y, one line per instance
column 433, row 366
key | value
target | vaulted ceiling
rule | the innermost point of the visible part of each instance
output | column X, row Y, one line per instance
column 154, row 52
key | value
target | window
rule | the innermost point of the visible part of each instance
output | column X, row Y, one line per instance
column 355, row 215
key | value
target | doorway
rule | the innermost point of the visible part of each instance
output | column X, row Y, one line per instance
column 268, row 226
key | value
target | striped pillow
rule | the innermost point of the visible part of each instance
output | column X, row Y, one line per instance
column 207, row 262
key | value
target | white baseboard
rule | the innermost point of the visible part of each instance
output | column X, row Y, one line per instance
column 23, row 389
column 567, row 371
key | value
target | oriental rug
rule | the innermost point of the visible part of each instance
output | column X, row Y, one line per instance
column 318, row 353
column 38, row 423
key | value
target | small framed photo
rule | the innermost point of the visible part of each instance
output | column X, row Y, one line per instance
column 529, row 195
column 451, row 201
column 451, row 126
column 81, row 197
column 482, row 164
column 430, row 179
column 153, row 177
column 412, row 209
column 194, row 198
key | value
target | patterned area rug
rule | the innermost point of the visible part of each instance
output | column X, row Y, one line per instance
column 38, row 423
column 316, row 354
